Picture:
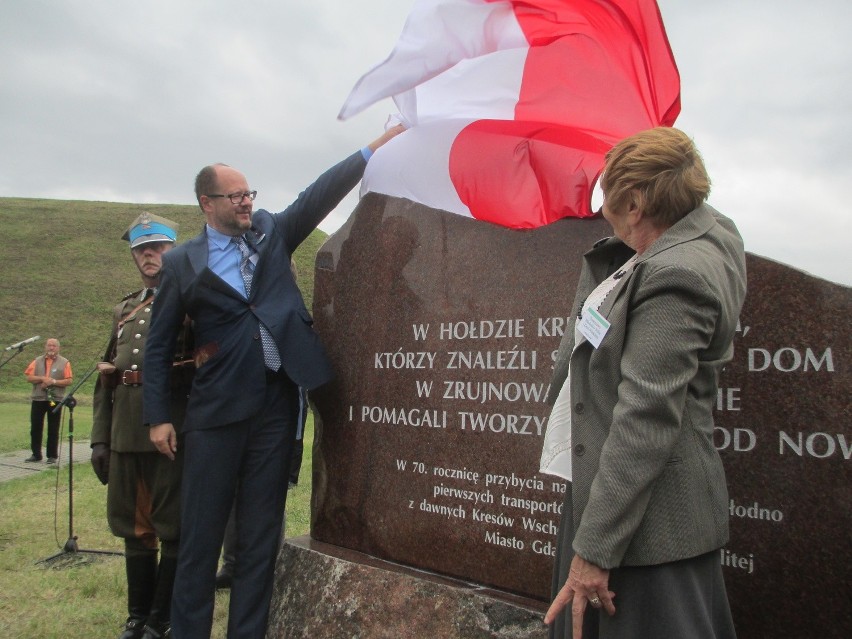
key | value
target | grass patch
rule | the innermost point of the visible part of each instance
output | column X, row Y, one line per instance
column 15, row 425
column 78, row 595
column 66, row 267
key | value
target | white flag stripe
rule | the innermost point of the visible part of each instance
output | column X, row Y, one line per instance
column 484, row 88
column 541, row 113
column 436, row 37
column 391, row 170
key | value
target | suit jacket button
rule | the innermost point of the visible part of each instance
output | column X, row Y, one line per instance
column 579, row 407
column 252, row 306
column 256, row 336
column 579, row 450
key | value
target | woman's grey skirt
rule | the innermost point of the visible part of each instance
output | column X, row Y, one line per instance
column 681, row 599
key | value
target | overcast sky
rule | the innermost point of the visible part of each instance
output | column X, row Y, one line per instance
column 124, row 101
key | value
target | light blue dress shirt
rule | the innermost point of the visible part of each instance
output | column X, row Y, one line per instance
column 223, row 258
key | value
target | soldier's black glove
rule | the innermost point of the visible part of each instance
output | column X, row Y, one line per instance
column 100, row 462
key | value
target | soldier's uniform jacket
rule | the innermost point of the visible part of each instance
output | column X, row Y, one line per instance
column 118, row 396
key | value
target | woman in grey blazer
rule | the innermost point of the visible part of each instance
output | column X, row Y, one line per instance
column 634, row 386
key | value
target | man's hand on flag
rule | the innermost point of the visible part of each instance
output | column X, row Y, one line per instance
column 385, row 137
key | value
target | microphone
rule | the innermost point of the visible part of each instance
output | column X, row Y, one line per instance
column 24, row 343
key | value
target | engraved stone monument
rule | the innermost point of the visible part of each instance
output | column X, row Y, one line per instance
column 429, row 515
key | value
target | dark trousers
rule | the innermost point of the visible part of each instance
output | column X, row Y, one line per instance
column 143, row 496
column 252, row 459
column 229, row 547
column 37, row 413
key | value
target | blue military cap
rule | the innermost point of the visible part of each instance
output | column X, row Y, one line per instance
column 150, row 228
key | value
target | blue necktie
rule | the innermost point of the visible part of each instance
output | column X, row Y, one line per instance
column 270, row 350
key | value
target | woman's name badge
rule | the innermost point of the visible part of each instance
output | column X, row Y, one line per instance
column 593, row 326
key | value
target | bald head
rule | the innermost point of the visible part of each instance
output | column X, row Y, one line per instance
column 214, row 186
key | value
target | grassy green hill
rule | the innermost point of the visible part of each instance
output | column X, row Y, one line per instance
column 64, row 266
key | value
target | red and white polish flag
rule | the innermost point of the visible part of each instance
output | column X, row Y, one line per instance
column 512, row 105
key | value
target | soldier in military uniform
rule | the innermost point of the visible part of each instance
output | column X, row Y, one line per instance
column 143, row 495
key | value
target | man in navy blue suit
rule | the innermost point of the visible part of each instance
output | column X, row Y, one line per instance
column 254, row 348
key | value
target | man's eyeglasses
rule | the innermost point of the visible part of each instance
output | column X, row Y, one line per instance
column 236, row 198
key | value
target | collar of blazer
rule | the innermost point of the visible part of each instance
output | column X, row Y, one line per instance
column 612, row 252
column 692, row 225
column 196, row 254
column 196, row 248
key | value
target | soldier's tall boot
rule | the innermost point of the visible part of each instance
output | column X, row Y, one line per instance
column 158, row 624
column 141, row 571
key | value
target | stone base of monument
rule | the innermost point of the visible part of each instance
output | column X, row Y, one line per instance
column 328, row 592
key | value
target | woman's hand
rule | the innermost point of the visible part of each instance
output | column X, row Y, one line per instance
column 587, row 583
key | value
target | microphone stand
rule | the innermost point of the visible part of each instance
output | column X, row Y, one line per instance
column 71, row 546
column 17, row 352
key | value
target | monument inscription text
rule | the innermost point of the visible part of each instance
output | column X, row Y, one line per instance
column 443, row 332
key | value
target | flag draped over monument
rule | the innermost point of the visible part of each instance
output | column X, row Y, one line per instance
column 512, row 105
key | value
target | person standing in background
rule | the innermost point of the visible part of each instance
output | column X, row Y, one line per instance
column 143, row 487
column 49, row 374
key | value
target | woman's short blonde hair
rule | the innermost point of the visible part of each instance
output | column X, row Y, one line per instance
column 661, row 171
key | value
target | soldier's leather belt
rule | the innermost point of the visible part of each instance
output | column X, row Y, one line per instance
column 184, row 371
column 131, row 378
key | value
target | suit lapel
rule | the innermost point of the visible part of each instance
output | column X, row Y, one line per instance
column 196, row 253
column 254, row 238
column 258, row 238
column 607, row 257
column 615, row 293
column 609, row 252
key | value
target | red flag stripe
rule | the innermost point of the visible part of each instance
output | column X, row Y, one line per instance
column 596, row 71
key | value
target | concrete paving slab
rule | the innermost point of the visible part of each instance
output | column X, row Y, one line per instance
column 13, row 466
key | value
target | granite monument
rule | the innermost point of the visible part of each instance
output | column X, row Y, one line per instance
column 442, row 330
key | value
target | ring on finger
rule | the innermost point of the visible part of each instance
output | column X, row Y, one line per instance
column 595, row 600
